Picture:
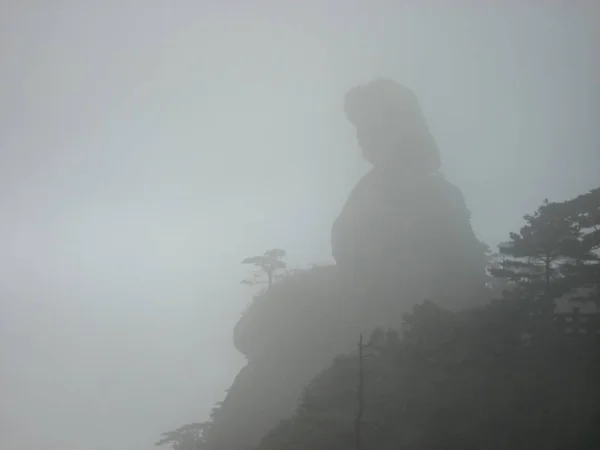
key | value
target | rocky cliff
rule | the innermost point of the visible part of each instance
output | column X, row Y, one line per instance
column 403, row 236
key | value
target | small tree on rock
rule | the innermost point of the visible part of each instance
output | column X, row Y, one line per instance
column 269, row 263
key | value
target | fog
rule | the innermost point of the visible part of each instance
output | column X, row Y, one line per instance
column 148, row 147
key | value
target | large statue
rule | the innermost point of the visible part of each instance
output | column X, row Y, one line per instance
column 405, row 228
column 404, row 236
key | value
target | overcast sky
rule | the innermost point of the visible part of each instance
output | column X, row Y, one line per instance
column 147, row 146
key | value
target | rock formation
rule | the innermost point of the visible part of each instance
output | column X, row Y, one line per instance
column 404, row 236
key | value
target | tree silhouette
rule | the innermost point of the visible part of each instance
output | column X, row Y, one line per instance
column 582, row 271
column 555, row 252
column 534, row 256
column 269, row 263
column 376, row 342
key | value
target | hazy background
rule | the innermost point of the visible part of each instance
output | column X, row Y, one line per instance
column 148, row 146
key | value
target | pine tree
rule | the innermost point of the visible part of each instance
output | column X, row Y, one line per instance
column 582, row 272
column 269, row 263
column 534, row 256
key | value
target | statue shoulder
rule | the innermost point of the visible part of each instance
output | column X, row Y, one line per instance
column 448, row 194
column 364, row 189
column 367, row 182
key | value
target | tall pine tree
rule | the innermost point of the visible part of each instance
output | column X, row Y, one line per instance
column 582, row 273
column 534, row 256
column 554, row 253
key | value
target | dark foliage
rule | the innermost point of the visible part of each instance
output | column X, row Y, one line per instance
column 474, row 379
column 555, row 253
column 455, row 380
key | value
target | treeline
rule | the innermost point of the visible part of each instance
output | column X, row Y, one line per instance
column 452, row 381
column 495, row 378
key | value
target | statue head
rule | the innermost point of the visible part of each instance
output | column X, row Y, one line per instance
column 391, row 129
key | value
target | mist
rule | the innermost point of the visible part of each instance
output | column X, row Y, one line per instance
column 146, row 148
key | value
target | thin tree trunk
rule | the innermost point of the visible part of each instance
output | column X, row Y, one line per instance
column 548, row 303
column 359, row 413
column 548, row 276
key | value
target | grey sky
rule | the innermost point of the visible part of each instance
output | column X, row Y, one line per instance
column 147, row 147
